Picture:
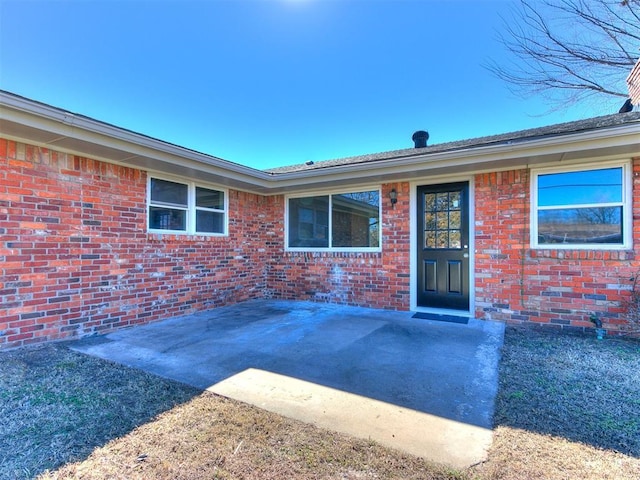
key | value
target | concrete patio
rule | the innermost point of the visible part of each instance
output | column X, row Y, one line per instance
column 426, row 387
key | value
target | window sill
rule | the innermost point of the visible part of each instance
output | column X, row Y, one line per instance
column 333, row 250
column 582, row 253
column 333, row 253
column 183, row 237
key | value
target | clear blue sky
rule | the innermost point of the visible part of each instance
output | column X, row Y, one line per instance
column 269, row 83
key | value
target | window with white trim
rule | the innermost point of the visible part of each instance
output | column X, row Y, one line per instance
column 180, row 207
column 337, row 221
column 581, row 207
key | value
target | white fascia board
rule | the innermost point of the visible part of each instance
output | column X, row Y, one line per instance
column 139, row 151
column 64, row 126
column 475, row 159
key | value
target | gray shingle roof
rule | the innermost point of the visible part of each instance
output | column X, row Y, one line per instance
column 505, row 138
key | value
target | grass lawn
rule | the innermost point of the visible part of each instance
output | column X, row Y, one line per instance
column 568, row 407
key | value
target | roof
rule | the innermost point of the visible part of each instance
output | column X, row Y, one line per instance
column 43, row 125
column 459, row 145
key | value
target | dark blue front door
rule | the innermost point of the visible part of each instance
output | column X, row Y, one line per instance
column 443, row 246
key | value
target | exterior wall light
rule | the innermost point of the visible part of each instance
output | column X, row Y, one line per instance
column 393, row 196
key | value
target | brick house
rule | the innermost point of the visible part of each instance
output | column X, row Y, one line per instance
column 103, row 228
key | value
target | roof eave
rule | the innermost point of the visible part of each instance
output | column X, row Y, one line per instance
column 621, row 140
column 57, row 129
column 43, row 125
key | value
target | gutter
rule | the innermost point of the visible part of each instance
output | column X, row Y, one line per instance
column 480, row 158
column 41, row 116
column 147, row 153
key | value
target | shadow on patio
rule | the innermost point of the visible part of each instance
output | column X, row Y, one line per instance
column 344, row 358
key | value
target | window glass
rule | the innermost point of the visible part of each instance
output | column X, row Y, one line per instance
column 580, row 225
column 580, row 207
column 209, row 198
column 185, row 207
column 167, row 219
column 309, row 222
column 443, row 220
column 354, row 220
column 580, row 188
column 209, row 222
column 169, row 193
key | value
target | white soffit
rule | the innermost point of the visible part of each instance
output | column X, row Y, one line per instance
column 40, row 124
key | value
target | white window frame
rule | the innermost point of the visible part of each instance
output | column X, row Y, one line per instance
column 191, row 207
column 626, row 204
column 330, row 193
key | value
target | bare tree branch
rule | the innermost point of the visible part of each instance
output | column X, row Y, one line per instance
column 569, row 50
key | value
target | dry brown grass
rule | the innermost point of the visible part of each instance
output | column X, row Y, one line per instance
column 522, row 455
column 213, row 437
column 568, row 408
column 56, row 406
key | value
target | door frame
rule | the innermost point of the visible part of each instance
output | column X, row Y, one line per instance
column 413, row 244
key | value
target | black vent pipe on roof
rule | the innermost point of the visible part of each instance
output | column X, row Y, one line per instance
column 420, row 138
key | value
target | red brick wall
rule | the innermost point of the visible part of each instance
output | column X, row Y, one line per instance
column 378, row 280
column 552, row 287
column 75, row 258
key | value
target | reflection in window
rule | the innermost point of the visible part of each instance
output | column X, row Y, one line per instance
column 580, row 207
column 167, row 219
column 443, row 220
column 580, row 225
column 309, row 222
column 209, row 210
column 583, row 187
column 347, row 220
